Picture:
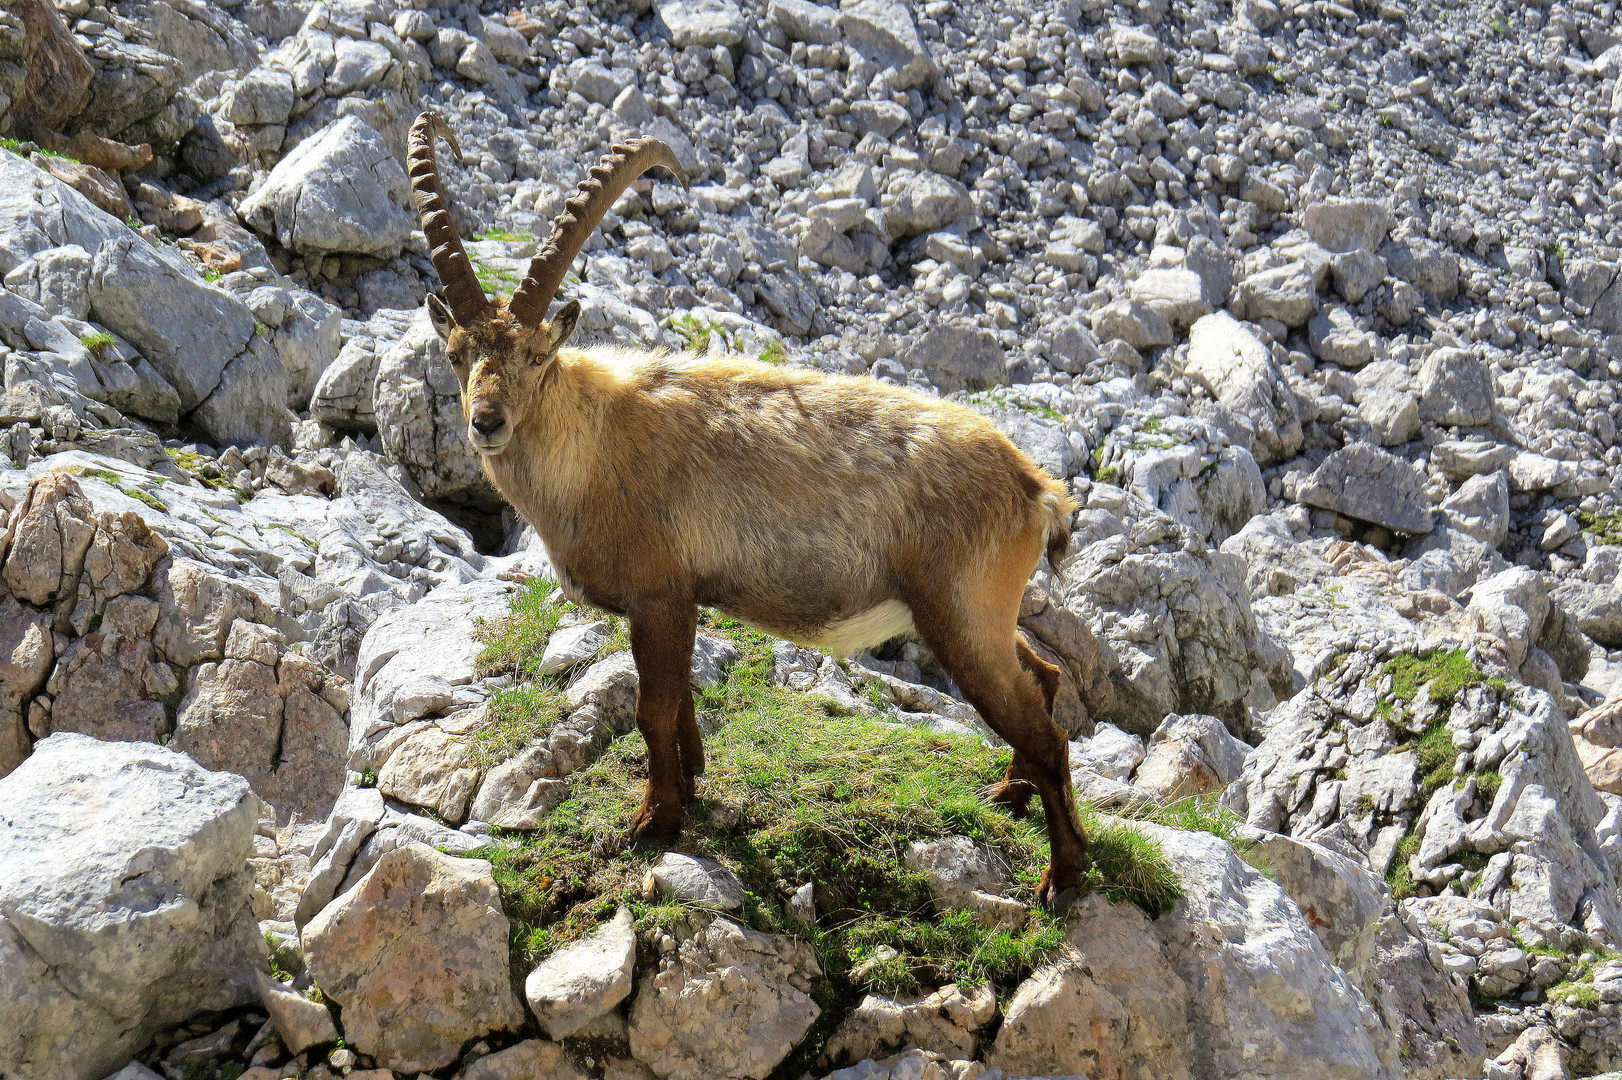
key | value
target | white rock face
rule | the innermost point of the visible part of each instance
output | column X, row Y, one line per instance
column 698, row 881
column 340, row 191
column 1268, row 998
column 1229, row 361
column 580, row 982
column 124, row 904
column 728, row 1001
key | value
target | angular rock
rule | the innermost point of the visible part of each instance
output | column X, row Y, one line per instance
column 528, row 1060
column 341, row 191
column 125, row 902
column 1287, row 293
column 944, row 1022
column 883, row 32
column 959, row 356
column 1134, row 322
column 1239, row 372
column 1455, row 388
column 1117, row 1009
column 1363, row 482
column 704, row 23
column 698, row 881
column 728, row 1001
column 46, row 540
column 580, row 982
column 1339, row 225
column 1190, row 755
column 300, row 1022
column 416, row 954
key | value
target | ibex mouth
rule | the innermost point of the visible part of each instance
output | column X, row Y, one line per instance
column 489, row 445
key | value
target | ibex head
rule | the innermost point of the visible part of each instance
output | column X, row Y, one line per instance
column 502, row 350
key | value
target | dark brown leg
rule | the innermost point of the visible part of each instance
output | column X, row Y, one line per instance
column 690, row 744
column 662, row 646
column 975, row 642
column 1017, row 787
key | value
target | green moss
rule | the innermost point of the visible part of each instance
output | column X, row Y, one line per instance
column 503, row 234
column 774, row 353
column 144, row 497
column 1487, row 784
column 98, row 343
column 1448, row 671
column 1107, row 474
column 1031, row 408
column 1604, row 528
column 210, row 274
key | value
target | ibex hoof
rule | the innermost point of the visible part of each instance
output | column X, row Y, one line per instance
column 1058, row 891
column 1013, row 796
column 651, row 830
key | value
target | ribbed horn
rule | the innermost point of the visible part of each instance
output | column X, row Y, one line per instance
column 462, row 290
column 606, row 181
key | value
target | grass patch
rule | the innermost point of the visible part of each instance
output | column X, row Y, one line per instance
column 98, row 343
column 773, row 353
column 698, row 333
column 1436, row 757
column 1032, row 408
column 503, row 234
column 1488, row 781
column 1398, row 875
column 513, row 644
column 793, row 794
column 1604, row 528
column 495, row 279
column 1449, row 672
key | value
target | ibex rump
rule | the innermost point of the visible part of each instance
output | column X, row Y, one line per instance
column 835, row 512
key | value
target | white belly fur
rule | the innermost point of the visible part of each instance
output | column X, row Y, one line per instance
column 872, row 627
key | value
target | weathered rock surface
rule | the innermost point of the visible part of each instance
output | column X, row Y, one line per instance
column 416, row 956
column 124, row 907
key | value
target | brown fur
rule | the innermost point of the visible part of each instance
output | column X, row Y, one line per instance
column 784, row 497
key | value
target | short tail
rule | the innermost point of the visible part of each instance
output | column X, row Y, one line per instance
column 1059, row 507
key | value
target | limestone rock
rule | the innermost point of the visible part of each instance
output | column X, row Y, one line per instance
column 580, row 982
column 729, row 1001
column 944, row 1021
column 959, row 356
column 1363, row 482
column 1117, row 1009
column 1190, row 755
column 300, row 1022
column 1239, row 372
column 125, row 902
column 339, row 191
column 697, row 880
column 416, row 955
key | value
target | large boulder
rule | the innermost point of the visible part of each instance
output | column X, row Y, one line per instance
column 39, row 212
column 416, row 955
column 341, row 191
column 1175, row 622
column 124, row 906
column 959, row 356
column 1365, row 483
column 1238, row 370
column 580, row 982
column 727, row 1001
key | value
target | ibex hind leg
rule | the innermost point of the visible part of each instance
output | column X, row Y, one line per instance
column 690, row 745
column 1016, row 788
column 662, row 646
column 974, row 635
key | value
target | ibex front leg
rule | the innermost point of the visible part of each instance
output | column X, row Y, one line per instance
column 662, row 646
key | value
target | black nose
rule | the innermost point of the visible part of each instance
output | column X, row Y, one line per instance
column 487, row 419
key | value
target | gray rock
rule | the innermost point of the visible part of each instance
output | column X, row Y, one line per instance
column 188, row 330
column 926, row 201
column 805, row 21
column 1363, row 482
column 418, row 405
column 1190, row 755
column 1392, row 415
column 698, row 881
column 580, row 982
column 1287, row 293
column 1481, row 508
column 1424, row 264
column 1134, row 322
column 339, row 191
column 727, row 1001
column 959, row 356
column 1339, row 225
column 1455, row 389
column 1239, row 372
column 125, row 900
column 883, row 32
column 1334, row 337
column 300, row 1022
column 571, row 646
column 1176, row 294
column 703, row 22
column 38, row 212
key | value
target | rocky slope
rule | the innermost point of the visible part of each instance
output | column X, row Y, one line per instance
column 1312, row 304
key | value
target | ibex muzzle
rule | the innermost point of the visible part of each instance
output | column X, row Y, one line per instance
column 835, row 512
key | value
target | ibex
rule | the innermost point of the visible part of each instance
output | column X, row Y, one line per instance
column 835, row 512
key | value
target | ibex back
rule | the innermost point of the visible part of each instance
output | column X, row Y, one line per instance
column 835, row 512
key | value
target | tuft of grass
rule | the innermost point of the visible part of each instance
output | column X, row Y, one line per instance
column 513, row 644
column 516, row 717
column 774, row 353
column 1436, row 757
column 1497, row 26
column 1399, row 876
column 1604, row 528
column 1488, row 782
column 98, row 343
column 1046, row 412
column 698, row 333
column 495, row 279
column 1448, row 671
column 503, row 234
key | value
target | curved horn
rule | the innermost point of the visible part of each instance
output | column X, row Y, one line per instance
column 606, row 181
column 462, row 290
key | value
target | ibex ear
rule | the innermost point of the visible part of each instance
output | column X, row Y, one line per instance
column 562, row 324
column 440, row 315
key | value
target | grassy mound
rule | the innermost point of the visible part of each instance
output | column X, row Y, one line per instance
column 792, row 794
